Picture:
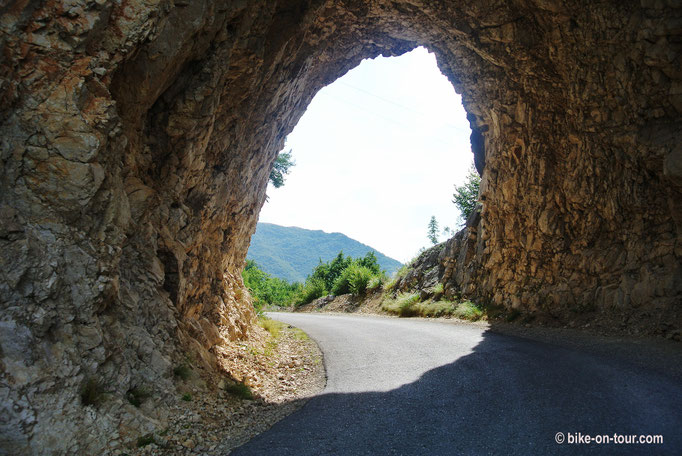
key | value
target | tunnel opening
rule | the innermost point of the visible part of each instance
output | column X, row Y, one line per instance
column 382, row 148
column 229, row 103
column 132, row 125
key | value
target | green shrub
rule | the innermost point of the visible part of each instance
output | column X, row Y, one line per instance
column 137, row 395
column 266, row 290
column 466, row 195
column 182, row 371
column 313, row 289
column 353, row 279
column 375, row 282
column 239, row 389
column 437, row 290
column 145, row 440
column 403, row 304
column 467, row 310
column 187, row 397
column 92, row 392
column 435, row 308
column 342, row 284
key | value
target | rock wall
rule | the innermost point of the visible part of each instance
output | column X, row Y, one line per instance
column 137, row 139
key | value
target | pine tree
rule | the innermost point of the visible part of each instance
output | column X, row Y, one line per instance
column 432, row 233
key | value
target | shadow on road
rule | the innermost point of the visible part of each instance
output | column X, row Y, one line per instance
column 509, row 396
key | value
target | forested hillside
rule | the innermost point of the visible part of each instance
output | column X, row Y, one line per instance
column 291, row 253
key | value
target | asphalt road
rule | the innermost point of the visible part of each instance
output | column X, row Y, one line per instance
column 415, row 387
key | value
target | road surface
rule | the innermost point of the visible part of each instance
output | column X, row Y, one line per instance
column 416, row 387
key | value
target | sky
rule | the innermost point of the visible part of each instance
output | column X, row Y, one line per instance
column 377, row 152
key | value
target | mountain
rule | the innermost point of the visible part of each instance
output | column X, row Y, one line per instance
column 291, row 253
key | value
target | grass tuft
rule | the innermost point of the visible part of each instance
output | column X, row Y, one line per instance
column 300, row 335
column 467, row 310
column 187, row 397
column 183, row 372
column 239, row 389
column 272, row 326
column 409, row 305
column 145, row 440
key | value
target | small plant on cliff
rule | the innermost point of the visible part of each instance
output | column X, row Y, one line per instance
column 183, row 371
column 137, row 395
column 239, row 389
column 466, row 195
column 92, row 392
column 281, row 168
column 187, row 397
column 403, row 304
column 145, row 440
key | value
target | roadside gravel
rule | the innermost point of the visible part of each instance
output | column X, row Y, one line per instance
column 282, row 372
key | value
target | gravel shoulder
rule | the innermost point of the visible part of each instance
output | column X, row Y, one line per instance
column 282, row 372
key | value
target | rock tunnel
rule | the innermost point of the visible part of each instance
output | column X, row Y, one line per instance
column 137, row 140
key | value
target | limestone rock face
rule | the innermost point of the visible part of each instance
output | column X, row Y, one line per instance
column 137, row 139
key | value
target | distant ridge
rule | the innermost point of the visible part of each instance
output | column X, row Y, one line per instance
column 291, row 253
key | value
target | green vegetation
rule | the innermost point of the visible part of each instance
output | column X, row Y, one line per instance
column 340, row 276
column 92, row 392
column 313, row 289
column 466, row 195
column 410, row 305
column 267, row 290
column 467, row 310
column 432, row 232
column 183, row 371
column 239, row 389
column 187, row 397
column 137, row 395
column 403, row 304
column 281, row 168
column 290, row 253
column 272, row 326
column 145, row 440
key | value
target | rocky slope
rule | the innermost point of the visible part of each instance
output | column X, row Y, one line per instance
column 137, row 138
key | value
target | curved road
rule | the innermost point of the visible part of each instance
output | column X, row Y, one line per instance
column 415, row 387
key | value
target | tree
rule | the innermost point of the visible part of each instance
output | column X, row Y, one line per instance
column 432, row 233
column 466, row 195
column 281, row 168
column 370, row 262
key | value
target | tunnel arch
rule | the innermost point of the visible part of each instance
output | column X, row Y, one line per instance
column 130, row 128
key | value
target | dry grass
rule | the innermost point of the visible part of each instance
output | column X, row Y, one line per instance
column 272, row 326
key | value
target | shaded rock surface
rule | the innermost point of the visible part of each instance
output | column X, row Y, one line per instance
column 136, row 140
